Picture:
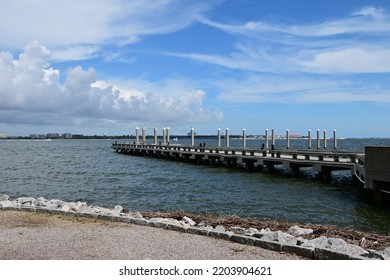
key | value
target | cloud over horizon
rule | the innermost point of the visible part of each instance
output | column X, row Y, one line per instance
column 29, row 86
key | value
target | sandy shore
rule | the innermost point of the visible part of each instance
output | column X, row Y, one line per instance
column 39, row 236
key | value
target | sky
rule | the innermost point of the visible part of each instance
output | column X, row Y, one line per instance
column 108, row 66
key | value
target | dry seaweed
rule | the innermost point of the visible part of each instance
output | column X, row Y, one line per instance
column 371, row 240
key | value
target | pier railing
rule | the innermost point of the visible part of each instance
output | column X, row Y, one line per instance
column 322, row 155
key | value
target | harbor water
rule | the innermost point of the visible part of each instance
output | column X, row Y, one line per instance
column 90, row 171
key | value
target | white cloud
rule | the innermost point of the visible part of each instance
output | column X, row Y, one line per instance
column 350, row 60
column 357, row 43
column 300, row 90
column 77, row 29
column 366, row 20
column 30, row 87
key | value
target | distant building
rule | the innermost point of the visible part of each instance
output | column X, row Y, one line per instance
column 38, row 136
column 66, row 135
column 77, row 136
column 53, row 135
column 3, row 136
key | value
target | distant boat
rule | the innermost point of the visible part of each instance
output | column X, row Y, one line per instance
column 175, row 139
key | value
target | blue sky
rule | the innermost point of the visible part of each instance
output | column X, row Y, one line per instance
column 106, row 67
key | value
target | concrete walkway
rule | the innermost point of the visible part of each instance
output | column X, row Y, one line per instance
column 39, row 236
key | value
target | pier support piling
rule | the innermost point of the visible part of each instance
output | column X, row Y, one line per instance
column 143, row 135
column 192, row 137
column 325, row 140
column 227, row 137
column 244, row 138
column 287, row 139
column 318, row 139
column 137, row 135
column 155, row 136
column 219, row 137
column 273, row 138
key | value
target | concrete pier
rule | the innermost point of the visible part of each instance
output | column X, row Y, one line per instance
column 371, row 168
column 377, row 169
column 323, row 162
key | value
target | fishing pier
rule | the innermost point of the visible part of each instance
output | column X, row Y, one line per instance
column 371, row 168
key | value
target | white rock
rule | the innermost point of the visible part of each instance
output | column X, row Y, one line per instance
column 54, row 204
column 319, row 242
column 41, row 201
column 386, row 253
column 334, row 243
column 279, row 236
column 65, row 207
column 238, row 230
column 117, row 210
column 189, row 221
column 264, row 231
column 4, row 197
column 7, row 203
column 251, row 231
column 219, row 228
column 166, row 221
column 298, row 231
column 353, row 250
column 25, row 201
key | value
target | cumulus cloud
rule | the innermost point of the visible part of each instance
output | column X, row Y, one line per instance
column 31, row 91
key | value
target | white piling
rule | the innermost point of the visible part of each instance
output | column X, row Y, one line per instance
column 266, row 138
column 168, row 135
column 219, row 137
column 325, row 144
column 318, row 139
column 143, row 135
column 287, row 139
column 137, row 135
column 273, row 137
column 334, row 139
column 155, row 136
column 309, row 140
column 227, row 137
column 192, row 137
column 164, row 135
column 244, row 138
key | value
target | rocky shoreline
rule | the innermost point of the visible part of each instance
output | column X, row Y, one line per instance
column 295, row 239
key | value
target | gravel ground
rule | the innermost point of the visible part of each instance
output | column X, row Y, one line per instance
column 39, row 236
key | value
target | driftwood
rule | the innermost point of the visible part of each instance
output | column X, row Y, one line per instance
column 368, row 240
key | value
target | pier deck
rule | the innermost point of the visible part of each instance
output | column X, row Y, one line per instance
column 322, row 161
